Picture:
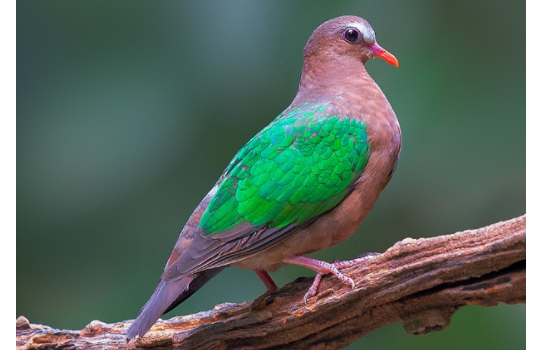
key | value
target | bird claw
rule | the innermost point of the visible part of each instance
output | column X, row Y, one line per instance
column 323, row 267
column 334, row 269
column 306, row 297
column 339, row 264
column 313, row 289
column 315, row 285
column 267, row 297
column 347, row 280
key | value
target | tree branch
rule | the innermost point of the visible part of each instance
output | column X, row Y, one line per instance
column 420, row 283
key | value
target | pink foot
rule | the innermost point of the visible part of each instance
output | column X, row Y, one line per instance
column 322, row 268
column 269, row 283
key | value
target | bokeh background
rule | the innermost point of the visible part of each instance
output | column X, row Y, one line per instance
column 128, row 112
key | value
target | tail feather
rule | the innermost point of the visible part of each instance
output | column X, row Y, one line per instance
column 166, row 297
column 196, row 284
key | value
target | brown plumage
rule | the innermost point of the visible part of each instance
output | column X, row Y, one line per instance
column 333, row 76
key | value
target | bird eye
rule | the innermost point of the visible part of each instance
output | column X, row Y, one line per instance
column 351, row 35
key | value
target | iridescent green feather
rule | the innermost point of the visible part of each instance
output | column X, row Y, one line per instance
column 298, row 167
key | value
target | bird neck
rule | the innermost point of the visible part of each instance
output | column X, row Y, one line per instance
column 332, row 79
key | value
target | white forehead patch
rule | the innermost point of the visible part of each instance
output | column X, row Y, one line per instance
column 367, row 32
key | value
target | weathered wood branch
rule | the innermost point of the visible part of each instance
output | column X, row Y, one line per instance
column 420, row 283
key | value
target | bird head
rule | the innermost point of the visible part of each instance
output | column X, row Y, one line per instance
column 343, row 38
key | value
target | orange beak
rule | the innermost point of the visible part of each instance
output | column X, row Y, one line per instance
column 383, row 54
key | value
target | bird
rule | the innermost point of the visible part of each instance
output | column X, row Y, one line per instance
column 303, row 183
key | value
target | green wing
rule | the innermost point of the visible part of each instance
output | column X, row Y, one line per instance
column 298, row 167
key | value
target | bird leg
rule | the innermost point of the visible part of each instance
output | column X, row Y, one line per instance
column 323, row 267
column 269, row 283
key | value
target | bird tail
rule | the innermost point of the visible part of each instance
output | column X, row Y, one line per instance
column 166, row 297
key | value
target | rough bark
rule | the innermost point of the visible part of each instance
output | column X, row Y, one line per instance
column 420, row 283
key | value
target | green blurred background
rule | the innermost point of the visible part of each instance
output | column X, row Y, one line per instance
column 128, row 112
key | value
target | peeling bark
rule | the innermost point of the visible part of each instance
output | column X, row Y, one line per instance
column 420, row 283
